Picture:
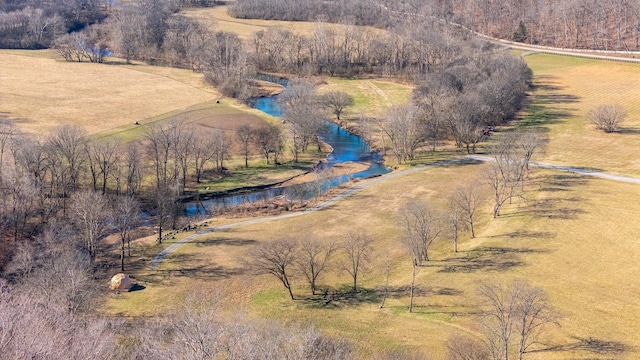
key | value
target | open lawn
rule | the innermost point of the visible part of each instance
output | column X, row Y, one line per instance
column 570, row 236
column 42, row 93
column 566, row 89
column 372, row 97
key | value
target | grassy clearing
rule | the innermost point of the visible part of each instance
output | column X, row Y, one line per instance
column 218, row 19
column 42, row 93
column 372, row 97
column 566, row 89
column 571, row 237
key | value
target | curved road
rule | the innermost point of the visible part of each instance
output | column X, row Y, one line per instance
column 162, row 255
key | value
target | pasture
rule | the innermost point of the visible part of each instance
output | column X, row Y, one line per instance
column 567, row 88
column 42, row 93
column 569, row 234
column 217, row 19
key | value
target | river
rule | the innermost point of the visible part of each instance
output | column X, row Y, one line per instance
column 346, row 147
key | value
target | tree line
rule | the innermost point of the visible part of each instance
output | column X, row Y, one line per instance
column 33, row 24
column 583, row 24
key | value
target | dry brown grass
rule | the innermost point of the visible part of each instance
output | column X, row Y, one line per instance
column 571, row 237
column 218, row 19
column 42, row 93
column 568, row 88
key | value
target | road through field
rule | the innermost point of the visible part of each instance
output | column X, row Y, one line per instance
column 164, row 253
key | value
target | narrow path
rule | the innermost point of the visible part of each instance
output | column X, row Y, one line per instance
column 162, row 255
column 570, row 169
column 379, row 91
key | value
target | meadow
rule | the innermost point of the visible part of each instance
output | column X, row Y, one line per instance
column 218, row 19
column 42, row 92
column 569, row 234
column 572, row 235
column 567, row 88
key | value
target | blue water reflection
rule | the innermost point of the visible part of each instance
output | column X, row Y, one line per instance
column 346, row 147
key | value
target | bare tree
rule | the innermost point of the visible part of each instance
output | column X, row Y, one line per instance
column 7, row 132
column 356, row 248
column 269, row 141
column 506, row 172
column 125, row 210
column 456, row 218
column 421, row 226
column 203, row 152
column 337, row 102
column 313, row 259
column 302, row 114
column 466, row 348
column 221, row 146
column 66, row 155
column 102, row 156
column 89, row 210
column 607, row 117
column 162, row 144
column 467, row 199
column 275, row 258
column 132, row 168
column 513, row 316
column 403, row 127
column 420, row 229
column 164, row 201
column 245, row 134
column 530, row 143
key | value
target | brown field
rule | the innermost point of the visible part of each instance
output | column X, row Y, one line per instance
column 218, row 19
column 574, row 236
column 41, row 93
column 564, row 238
column 568, row 88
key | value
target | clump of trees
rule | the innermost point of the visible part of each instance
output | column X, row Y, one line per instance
column 607, row 117
column 513, row 316
column 508, row 172
column 32, row 24
column 311, row 257
column 454, row 104
column 303, row 115
column 357, row 12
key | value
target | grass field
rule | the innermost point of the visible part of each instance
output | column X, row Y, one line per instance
column 43, row 93
column 218, row 19
column 567, row 88
column 572, row 235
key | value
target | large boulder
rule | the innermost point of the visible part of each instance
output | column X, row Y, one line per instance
column 121, row 282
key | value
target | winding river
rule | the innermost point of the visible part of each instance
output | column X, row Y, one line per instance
column 346, row 147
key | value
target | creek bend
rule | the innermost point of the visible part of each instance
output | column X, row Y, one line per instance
column 346, row 147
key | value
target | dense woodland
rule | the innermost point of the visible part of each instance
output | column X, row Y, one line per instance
column 62, row 194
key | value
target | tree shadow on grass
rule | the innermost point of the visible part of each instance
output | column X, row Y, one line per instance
column 530, row 234
column 217, row 241
column 562, row 182
column 629, row 131
column 498, row 259
column 550, row 208
column 590, row 345
column 541, row 109
column 396, row 292
column 342, row 297
column 184, row 265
